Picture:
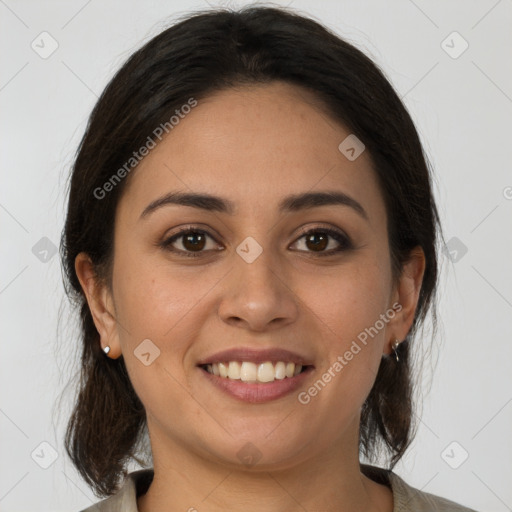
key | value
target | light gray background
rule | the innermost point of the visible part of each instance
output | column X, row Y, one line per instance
column 463, row 109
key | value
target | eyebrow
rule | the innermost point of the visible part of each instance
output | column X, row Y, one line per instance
column 292, row 203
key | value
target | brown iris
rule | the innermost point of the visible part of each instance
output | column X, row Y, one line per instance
column 317, row 241
column 194, row 241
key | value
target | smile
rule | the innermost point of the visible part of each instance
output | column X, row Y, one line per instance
column 241, row 380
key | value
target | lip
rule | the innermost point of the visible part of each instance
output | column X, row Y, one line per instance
column 258, row 392
column 256, row 356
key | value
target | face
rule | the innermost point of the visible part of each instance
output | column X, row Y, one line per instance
column 266, row 269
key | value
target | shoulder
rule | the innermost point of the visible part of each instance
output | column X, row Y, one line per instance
column 407, row 498
column 125, row 499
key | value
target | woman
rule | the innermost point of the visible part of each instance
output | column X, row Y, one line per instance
column 251, row 238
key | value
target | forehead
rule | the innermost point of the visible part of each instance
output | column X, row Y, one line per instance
column 253, row 145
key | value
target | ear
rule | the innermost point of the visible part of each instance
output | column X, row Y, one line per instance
column 101, row 304
column 405, row 295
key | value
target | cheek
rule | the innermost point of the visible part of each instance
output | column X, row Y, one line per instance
column 347, row 313
column 156, row 303
column 168, row 304
column 159, row 302
column 351, row 301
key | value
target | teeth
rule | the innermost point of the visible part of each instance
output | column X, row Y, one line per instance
column 223, row 369
column 280, row 370
column 234, row 370
column 248, row 372
column 266, row 372
column 251, row 372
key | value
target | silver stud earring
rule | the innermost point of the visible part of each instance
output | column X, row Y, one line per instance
column 394, row 347
column 106, row 349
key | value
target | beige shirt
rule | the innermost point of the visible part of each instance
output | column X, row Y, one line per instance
column 405, row 497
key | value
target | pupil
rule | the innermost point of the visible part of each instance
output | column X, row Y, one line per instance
column 316, row 244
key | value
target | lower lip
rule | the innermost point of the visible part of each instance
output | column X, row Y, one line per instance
column 258, row 392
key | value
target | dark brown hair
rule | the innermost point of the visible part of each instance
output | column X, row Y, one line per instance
column 201, row 54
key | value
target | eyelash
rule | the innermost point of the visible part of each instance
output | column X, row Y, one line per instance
column 340, row 237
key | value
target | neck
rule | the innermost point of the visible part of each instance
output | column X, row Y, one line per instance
column 187, row 481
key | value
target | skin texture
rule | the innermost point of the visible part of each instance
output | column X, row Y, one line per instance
column 254, row 146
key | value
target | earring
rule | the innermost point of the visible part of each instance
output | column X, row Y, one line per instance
column 394, row 347
column 106, row 349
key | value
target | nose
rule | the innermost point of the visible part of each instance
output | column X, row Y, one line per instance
column 258, row 296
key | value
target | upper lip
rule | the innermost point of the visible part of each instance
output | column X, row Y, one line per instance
column 255, row 356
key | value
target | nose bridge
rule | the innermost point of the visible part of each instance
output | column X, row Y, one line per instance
column 256, row 293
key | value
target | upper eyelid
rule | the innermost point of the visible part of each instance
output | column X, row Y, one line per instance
column 306, row 230
column 183, row 230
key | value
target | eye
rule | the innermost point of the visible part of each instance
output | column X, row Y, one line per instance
column 190, row 242
column 317, row 240
column 193, row 242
